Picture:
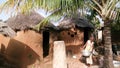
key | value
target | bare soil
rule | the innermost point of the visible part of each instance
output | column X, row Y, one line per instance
column 71, row 62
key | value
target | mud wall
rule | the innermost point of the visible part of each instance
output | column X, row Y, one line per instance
column 24, row 50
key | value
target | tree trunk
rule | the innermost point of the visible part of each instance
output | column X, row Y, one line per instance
column 59, row 55
column 108, row 58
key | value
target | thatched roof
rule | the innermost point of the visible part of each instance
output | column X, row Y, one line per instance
column 22, row 21
column 75, row 22
column 6, row 30
column 67, row 23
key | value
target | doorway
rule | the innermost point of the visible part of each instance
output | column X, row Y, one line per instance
column 45, row 43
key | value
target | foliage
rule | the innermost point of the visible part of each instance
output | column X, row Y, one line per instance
column 56, row 7
column 63, row 6
column 116, row 24
column 105, row 8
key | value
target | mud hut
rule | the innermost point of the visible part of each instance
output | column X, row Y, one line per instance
column 23, row 50
column 73, row 31
column 23, row 22
column 35, row 45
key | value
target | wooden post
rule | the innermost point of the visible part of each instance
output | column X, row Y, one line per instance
column 59, row 55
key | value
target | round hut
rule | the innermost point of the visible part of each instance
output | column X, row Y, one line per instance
column 30, row 46
column 23, row 22
column 74, row 32
column 25, row 48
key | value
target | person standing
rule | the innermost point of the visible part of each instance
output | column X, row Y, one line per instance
column 89, row 47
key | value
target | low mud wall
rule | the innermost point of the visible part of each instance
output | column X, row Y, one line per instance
column 23, row 50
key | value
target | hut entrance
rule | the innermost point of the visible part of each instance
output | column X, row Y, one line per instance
column 86, row 32
column 45, row 43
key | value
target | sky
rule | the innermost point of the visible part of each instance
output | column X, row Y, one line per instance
column 4, row 16
column 2, row 1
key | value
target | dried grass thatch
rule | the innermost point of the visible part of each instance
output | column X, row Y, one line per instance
column 75, row 22
column 6, row 30
column 22, row 21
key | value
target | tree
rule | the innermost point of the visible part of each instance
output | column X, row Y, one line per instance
column 56, row 7
column 69, row 6
column 106, row 9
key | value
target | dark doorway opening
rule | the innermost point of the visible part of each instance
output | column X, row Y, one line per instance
column 45, row 43
column 86, row 33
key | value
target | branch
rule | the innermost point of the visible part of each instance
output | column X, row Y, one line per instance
column 103, row 3
column 96, row 9
column 98, row 4
column 110, row 8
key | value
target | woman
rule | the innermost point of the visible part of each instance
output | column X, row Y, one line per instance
column 89, row 47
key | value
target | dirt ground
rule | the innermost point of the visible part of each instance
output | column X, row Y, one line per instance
column 71, row 63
